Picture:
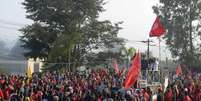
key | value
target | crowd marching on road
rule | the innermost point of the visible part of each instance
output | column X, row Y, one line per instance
column 96, row 85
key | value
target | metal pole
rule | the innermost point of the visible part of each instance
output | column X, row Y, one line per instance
column 69, row 60
column 148, row 43
column 148, row 50
column 159, row 42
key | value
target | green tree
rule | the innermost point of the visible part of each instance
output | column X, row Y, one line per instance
column 67, row 30
column 182, row 21
column 128, row 53
column 105, row 57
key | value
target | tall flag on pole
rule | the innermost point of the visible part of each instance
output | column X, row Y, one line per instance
column 116, row 67
column 157, row 28
column 133, row 71
column 178, row 70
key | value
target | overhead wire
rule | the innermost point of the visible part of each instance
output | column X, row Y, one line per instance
column 12, row 23
column 10, row 28
column 4, row 24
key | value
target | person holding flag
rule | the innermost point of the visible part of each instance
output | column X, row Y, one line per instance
column 178, row 70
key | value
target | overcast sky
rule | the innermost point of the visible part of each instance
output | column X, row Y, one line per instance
column 137, row 16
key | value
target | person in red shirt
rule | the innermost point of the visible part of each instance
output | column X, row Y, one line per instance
column 145, row 95
column 197, row 96
column 1, row 95
column 169, row 95
column 186, row 97
column 7, row 92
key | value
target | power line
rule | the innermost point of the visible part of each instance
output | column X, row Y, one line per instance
column 11, row 28
column 12, row 23
column 145, row 42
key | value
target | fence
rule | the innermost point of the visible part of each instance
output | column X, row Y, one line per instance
column 13, row 66
column 18, row 67
column 151, row 77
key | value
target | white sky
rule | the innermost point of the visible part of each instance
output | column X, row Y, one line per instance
column 137, row 16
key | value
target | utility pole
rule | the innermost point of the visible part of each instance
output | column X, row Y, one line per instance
column 190, row 31
column 148, row 47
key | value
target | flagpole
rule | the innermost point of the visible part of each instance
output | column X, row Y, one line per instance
column 148, row 43
column 159, row 43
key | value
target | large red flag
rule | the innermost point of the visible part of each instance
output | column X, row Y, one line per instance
column 157, row 28
column 116, row 67
column 133, row 72
column 178, row 70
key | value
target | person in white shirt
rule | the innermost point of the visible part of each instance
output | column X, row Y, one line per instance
column 156, row 65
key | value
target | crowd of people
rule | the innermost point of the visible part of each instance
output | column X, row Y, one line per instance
column 94, row 85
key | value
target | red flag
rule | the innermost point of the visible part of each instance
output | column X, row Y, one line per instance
column 122, row 71
column 133, row 72
column 103, row 72
column 190, row 73
column 99, row 98
column 178, row 70
column 157, row 28
column 116, row 67
column 1, row 94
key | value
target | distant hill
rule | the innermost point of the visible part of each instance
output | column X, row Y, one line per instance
column 3, row 49
column 17, row 52
column 13, row 61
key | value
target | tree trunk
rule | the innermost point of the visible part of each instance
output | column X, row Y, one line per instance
column 190, row 34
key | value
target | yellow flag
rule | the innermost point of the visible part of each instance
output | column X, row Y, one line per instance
column 29, row 72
